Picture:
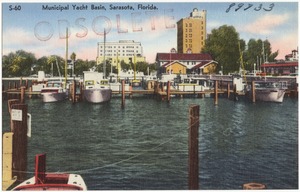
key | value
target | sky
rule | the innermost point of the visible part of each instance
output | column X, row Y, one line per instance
column 31, row 27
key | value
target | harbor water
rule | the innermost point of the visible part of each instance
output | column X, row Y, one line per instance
column 145, row 145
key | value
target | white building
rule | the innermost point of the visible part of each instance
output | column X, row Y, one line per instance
column 126, row 50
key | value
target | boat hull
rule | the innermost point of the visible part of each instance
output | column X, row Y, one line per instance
column 270, row 95
column 53, row 96
column 97, row 95
column 66, row 182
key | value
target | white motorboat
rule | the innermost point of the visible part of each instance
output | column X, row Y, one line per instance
column 96, row 89
column 53, row 92
column 270, row 91
column 43, row 181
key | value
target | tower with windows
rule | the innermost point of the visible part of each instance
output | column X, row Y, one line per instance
column 191, row 32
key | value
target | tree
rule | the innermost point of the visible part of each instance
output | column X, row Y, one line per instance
column 73, row 56
column 222, row 44
column 18, row 63
column 255, row 51
column 58, row 64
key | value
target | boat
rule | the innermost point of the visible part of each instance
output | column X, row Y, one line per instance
column 96, row 88
column 43, row 181
column 270, row 91
column 194, row 84
column 53, row 92
column 116, row 85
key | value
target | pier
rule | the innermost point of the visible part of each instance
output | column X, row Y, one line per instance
column 224, row 85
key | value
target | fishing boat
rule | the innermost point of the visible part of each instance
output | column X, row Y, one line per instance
column 270, row 91
column 53, row 92
column 96, row 88
column 43, row 181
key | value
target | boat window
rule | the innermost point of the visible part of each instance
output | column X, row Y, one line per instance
column 193, row 81
column 104, row 82
column 89, row 82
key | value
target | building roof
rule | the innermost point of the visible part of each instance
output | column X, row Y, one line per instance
column 280, row 64
column 171, row 63
column 202, row 64
column 183, row 57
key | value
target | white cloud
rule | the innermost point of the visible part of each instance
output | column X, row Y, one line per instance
column 154, row 36
column 266, row 24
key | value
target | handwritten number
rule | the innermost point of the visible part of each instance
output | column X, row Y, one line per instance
column 258, row 8
column 231, row 5
column 239, row 6
column 271, row 7
column 249, row 6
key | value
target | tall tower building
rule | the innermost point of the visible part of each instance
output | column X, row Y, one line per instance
column 191, row 32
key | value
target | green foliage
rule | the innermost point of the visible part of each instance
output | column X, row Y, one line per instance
column 222, row 44
column 254, row 53
column 17, row 64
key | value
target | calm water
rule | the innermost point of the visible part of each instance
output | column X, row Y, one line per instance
column 145, row 146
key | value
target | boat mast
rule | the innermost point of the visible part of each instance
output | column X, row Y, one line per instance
column 134, row 64
column 242, row 62
column 104, row 64
column 66, row 60
column 118, row 67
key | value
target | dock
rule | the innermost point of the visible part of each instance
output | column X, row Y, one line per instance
column 224, row 85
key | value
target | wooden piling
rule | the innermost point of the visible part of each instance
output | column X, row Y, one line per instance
column 234, row 93
column 253, row 91
column 81, row 91
column 7, row 176
column 30, row 92
column 169, row 91
column 26, row 83
column 22, row 97
column 123, row 95
column 19, row 129
column 216, row 93
column 254, row 186
column 228, row 90
column 193, row 147
column 73, row 94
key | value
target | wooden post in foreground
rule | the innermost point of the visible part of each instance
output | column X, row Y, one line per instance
column 123, row 95
column 193, row 147
column 254, row 186
column 7, row 178
column 216, row 93
column 19, row 128
column 253, row 91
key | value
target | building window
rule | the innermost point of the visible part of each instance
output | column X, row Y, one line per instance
column 190, row 30
column 190, row 24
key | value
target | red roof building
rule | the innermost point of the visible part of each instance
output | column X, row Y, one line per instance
column 280, row 68
column 194, row 62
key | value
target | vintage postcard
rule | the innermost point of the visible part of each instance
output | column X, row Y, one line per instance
column 142, row 95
